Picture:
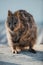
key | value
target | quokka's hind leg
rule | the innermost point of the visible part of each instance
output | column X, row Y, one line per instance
column 31, row 48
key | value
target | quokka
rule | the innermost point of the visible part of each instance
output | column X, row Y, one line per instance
column 21, row 31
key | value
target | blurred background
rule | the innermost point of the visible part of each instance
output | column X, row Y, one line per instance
column 34, row 7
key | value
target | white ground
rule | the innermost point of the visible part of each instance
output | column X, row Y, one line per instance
column 23, row 58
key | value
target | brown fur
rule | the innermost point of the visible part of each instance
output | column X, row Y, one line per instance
column 25, row 30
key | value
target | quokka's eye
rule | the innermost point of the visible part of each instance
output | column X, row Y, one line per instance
column 9, row 23
column 14, row 22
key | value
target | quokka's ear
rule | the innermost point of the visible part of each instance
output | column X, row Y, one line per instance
column 9, row 13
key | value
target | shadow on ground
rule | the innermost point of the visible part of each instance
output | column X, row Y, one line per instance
column 7, row 63
column 37, row 56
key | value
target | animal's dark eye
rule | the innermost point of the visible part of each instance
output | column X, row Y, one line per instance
column 14, row 22
column 9, row 23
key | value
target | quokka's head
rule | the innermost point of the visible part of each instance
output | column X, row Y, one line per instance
column 12, row 21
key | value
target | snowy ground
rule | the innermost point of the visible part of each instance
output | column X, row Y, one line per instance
column 24, row 57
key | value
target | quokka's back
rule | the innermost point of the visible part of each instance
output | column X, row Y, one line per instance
column 21, row 30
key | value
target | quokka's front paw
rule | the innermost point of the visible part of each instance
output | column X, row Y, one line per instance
column 15, row 52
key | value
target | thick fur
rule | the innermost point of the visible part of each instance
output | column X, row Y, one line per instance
column 21, row 30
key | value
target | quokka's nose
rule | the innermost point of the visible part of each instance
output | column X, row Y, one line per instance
column 12, row 28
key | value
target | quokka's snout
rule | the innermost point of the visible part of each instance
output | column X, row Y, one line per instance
column 21, row 30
